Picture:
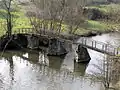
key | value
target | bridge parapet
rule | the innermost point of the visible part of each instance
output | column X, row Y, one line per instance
column 23, row 31
column 34, row 31
column 86, row 42
column 47, row 33
column 98, row 46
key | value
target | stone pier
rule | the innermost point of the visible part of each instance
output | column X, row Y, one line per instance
column 56, row 47
column 83, row 55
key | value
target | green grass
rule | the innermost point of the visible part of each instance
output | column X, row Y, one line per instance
column 101, row 25
column 107, row 8
column 91, row 25
column 95, row 25
column 19, row 21
column 23, row 22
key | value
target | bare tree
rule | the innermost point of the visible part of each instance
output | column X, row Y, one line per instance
column 7, row 6
column 75, row 16
column 57, row 13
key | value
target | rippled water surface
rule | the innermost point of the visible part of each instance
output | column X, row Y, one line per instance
column 32, row 70
column 26, row 71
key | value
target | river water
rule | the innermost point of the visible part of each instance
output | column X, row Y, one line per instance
column 32, row 70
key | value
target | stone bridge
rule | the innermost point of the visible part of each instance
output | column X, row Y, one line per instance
column 59, row 43
column 105, row 48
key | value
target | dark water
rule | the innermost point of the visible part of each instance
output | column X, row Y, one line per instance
column 32, row 70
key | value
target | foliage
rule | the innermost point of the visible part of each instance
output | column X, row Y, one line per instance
column 109, row 8
column 20, row 21
column 63, row 12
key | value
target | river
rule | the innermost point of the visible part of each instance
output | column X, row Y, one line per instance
column 32, row 70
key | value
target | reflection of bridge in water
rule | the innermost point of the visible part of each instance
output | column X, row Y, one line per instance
column 25, row 66
column 85, row 42
column 53, row 65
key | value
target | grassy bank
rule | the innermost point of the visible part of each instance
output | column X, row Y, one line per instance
column 85, row 28
column 103, row 25
column 21, row 21
column 106, row 8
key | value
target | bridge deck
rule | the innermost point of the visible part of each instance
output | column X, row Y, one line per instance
column 98, row 46
column 88, row 43
column 47, row 33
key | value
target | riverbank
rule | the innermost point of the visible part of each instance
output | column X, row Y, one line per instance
column 87, row 29
column 95, row 33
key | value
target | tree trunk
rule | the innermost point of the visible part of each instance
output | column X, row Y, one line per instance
column 9, row 23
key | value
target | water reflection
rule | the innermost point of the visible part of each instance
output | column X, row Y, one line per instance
column 26, row 71
column 80, row 68
column 55, row 62
column 11, row 70
column 32, row 70
column 38, row 58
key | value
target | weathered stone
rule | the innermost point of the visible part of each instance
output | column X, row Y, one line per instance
column 80, row 68
column 33, row 42
column 43, row 41
column 83, row 55
column 21, row 40
column 56, row 47
column 14, row 42
column 3, row 41
column 55, row 62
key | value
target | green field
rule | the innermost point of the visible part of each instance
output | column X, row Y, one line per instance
column 107, row 8
column 21, row 21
